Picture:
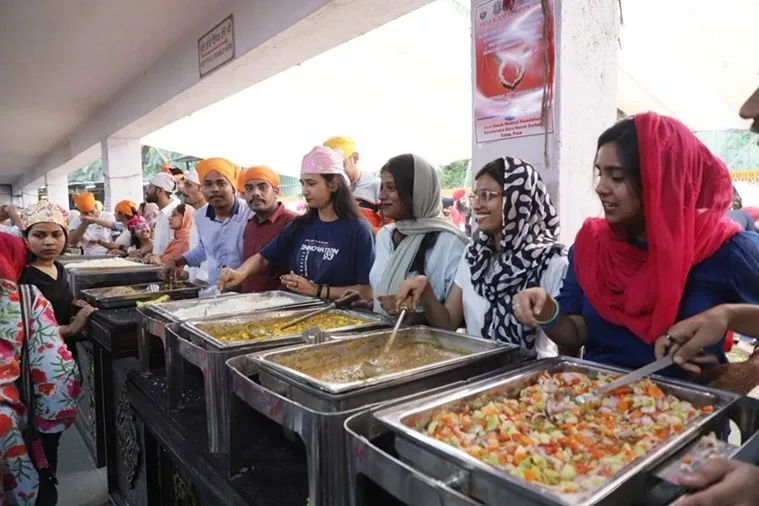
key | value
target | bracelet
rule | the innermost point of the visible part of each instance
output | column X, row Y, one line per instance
column 553, row 320
column 319, row 291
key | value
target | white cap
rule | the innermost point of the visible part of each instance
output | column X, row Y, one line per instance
column 192, row 176
column 164, row 181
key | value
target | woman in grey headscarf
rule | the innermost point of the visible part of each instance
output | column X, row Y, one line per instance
column 421, row 241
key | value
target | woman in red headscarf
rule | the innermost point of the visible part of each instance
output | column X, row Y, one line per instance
column 54, row 384
column 663, row 252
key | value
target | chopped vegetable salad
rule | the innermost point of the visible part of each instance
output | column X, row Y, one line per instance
column 544, row 438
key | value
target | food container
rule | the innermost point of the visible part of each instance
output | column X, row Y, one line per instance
column 154, row 319
column 315, row 410
column 84, row 278
column 104, row 298
column 205, row 351
column 474, row 479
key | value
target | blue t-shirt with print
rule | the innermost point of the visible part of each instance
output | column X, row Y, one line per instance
column 336, row 253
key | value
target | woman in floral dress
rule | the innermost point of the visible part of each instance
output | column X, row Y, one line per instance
column 54, row 378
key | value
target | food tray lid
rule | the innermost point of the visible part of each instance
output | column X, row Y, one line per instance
column 230, row 305
column 350, row 346
column 394, row 414
column 191, row 326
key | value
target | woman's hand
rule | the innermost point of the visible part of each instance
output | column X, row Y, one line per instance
column 528, row 305
column 153, row 259
column 687, row 339
column 388, row 304
column 229, row 277
column 80, row 320
column 298, row 284
column 414, row 287
column 721, row 483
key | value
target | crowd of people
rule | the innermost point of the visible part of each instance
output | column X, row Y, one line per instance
column 665, row 270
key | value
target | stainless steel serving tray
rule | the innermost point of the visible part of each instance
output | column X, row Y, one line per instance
column 72, row 259
column 368, row 346
column 172, row 310
column 491, row 485
column 137, row 265
column 189, row 330
column 99, row 297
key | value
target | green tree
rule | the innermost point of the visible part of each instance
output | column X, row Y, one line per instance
column 454, row 175
column 152, row 160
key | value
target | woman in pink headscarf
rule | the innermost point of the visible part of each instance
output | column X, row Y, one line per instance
column 330, row 249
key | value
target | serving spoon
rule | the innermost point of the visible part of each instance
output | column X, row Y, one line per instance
column 372, row 368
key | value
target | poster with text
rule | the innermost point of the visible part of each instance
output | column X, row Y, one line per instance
column 514, row 64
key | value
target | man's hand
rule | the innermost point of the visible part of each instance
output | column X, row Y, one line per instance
column 722, row 483
column 688, row 338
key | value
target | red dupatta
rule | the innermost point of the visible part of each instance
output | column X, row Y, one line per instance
column 685, row 193
column 12, row 257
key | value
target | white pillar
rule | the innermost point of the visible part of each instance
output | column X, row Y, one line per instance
column 122, row 164
column 584, row 106
column 30, row 193
column 57, row 185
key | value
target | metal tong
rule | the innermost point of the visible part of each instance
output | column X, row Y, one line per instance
column 344, row 301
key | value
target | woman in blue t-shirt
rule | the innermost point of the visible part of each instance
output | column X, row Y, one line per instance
column 664, row 251
column 330, row 249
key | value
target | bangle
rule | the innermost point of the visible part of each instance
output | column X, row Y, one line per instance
column 553, row 320
column 319, row 291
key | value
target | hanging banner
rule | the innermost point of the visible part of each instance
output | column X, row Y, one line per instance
column 514, row 69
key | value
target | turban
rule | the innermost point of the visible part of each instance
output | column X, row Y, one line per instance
column 164, row 181
column 345, row 144
column 262, row 172
column 136, row 222
column 323, row 160
column 192, row 176
column 227, row 169
column 459, row 194
column 84, row 202
column 126, row 207
column 45, row 212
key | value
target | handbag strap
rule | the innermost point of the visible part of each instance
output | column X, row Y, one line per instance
column 27, row 389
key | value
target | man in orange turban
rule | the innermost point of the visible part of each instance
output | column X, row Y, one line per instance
column 91, row 227
column 365, row 187
column 84, row 202
column 220, row 223
column 261, row 187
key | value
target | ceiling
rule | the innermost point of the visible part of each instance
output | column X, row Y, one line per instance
column 409, row 87
column 60, row 61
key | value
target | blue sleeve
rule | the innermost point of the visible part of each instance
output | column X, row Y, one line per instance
column 570, row 298
column 363, row 252
column 277, row 252
column 744, row 262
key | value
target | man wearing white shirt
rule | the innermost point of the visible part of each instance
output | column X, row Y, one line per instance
column 193, row 195
column 160, row 192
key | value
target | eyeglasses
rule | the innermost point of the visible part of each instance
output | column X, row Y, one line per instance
column 484, row 196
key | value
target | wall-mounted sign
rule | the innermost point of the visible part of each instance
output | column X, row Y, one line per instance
column 216, row 47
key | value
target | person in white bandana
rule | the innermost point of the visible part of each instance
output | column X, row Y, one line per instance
column 161, row 192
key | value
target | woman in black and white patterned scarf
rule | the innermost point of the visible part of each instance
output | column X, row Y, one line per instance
column 506, row 261
column 516, row 247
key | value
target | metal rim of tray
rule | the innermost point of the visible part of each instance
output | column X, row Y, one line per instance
column 299, row 301
column 124, row 300
column 263, row 360
column 189, row 330
column 392, row 414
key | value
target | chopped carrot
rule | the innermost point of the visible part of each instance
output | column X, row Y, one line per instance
column 654, row 391
column 529, row 475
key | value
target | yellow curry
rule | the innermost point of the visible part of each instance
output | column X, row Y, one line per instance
column 258, row 330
